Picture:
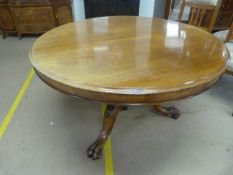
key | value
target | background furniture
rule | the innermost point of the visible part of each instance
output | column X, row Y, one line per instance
column 223, row 20
column 202, row 15
column 229, row 34
column 33, row 16
column 229, row 45
column 226, row 36
column 225, row 15
column 125, row 60
column 98, row 8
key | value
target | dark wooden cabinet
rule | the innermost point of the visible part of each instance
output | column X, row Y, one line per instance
column 33, row 19
column 6, row 21
column 33, row 16
column 63, row 14
column 63, row 11
column 98, row 8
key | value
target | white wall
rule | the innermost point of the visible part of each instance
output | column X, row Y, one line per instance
column 78, row 10
column 146, row 9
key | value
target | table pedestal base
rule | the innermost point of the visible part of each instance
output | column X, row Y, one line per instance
column 110, row 114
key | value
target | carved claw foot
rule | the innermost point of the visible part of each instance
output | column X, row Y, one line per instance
column 171, row 112
column 95, row 151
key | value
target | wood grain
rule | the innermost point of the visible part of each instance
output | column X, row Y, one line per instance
column 129, row 60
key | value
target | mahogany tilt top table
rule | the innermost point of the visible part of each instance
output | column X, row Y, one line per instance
column 128, row 60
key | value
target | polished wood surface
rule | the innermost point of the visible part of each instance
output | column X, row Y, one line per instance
column 129, row 60
column 201, row 15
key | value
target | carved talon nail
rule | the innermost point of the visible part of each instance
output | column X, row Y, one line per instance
column 95, row 151
column 171, row 111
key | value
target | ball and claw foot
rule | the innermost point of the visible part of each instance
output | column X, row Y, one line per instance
column 95, row 151
column 124, row 108
column 171, row 111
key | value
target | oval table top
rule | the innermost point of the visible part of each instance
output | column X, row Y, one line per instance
column 129, row 60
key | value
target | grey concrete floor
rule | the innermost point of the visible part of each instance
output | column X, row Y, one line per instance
column 50, row 131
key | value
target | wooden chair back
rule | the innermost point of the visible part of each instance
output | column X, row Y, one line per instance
column 230, row 34
column 199, row 14
column 229, row 38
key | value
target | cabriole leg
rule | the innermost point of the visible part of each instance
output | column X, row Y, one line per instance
column 110, row 115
